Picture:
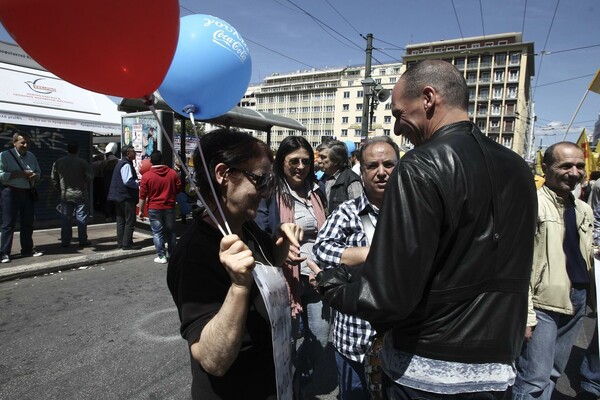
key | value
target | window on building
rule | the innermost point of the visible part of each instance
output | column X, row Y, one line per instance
column 316, row 120
column 485, row 77
column 359, row 93
column 358, row 120
column 329, row 108
column 393, row 79
column 475, row 45
column 344, row 120
column 359, row 107
column 497, row 93
column 507, row 141
column 350, row 83
column 498, row 76
column 471, row 93
column 358, row 132
column 450, row 48
column 388, row 106
column 512, row 92
column 293, row 97
column 515, row 58
column 387, row 119
column 494, row 123
column 484, row 93
column 292, row 109
column 496, row 109
column 305, row 109
column 382, row 71
column 345, row 107
column 487, row 44
column 502, row 42
column 344, row 132
column 509, row 126
column 377, row 80
column 513, row 75
column 462, row 46
column 510, row 109
column 500, row 59
column 346, row 95
column 306, row 97
column 386, row 132
column 481, row 124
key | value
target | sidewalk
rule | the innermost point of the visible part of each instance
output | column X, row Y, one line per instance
column 58, row 258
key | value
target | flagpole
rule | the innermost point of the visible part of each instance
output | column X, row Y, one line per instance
column 575, row 115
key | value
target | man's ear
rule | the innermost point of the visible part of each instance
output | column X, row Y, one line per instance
column 429, row 98
column 220, row 172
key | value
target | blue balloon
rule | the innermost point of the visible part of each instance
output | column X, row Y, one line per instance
column 351, row 146
column 210, row 71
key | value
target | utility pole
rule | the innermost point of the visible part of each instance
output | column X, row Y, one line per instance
column 365, row 109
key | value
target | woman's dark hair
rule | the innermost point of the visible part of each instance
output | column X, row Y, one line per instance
column 228, row 146
column 287, row 146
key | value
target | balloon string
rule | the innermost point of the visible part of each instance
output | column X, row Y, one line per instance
column 212, row 188
column 186, row 170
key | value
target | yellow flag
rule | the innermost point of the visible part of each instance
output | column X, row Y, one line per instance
column 587, row 153
column 595, row 85
column 539, row 158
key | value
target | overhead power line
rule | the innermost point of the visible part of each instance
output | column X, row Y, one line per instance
column 524, row 12
column 457, row 21
column 539, row 72
column 566, row 80
column 344, row 18
column 481, row 13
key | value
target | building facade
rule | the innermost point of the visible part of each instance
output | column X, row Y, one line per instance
column 498, row 70
column 328, row 102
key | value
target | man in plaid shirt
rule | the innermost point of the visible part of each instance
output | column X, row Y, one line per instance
column 345, row 239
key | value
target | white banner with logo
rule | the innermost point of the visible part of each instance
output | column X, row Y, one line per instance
column 271, row 283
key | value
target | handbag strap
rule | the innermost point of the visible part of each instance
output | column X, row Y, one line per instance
column 20, row 165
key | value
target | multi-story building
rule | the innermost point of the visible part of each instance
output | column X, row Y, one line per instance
column 498, row 70
column 328, row 102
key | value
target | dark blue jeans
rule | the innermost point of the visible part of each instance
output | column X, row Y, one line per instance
column 16, row 202
column 590, row 367
column 351, row 377
column 162, row 223
column 544, row 357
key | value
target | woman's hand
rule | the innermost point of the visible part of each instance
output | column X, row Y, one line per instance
column 288, row 244
column 238, row 260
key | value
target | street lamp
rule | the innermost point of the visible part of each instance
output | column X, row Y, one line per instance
column 368, row 85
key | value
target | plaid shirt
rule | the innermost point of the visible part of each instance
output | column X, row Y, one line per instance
column 343, row 229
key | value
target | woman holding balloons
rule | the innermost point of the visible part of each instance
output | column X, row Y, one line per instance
column 223, row 316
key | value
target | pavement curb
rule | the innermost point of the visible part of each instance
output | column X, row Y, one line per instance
column 45, row 267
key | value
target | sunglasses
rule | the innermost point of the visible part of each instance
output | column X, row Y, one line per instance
column 261, row 182
column 294, row 162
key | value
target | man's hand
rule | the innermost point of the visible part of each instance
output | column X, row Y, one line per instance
column 238, row 260
column 142, row 216
column 291, row 235
column 528, row 333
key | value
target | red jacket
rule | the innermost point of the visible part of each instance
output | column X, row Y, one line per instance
column 159, row 186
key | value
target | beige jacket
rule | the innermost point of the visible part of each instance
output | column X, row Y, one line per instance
column 550, row 287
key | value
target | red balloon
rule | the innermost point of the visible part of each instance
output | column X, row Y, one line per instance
column 118, row 47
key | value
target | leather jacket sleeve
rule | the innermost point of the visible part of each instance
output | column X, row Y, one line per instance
column 369, row 291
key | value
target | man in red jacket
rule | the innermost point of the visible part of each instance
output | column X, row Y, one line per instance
column 159, row 187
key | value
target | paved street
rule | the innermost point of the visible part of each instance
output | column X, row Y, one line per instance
column 105, row 332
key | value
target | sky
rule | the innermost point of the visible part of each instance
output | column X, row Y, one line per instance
column 290, row 35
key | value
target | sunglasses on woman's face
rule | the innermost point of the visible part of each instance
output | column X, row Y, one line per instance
column 294, row 162
column 261, row 182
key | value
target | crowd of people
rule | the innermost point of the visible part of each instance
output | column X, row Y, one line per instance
column 441, row 275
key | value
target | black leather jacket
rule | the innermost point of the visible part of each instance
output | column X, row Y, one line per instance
column 449, row 267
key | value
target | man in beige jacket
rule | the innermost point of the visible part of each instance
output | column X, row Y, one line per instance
column 561, row 277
